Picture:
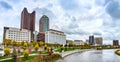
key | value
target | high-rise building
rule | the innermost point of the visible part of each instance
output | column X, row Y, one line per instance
column 91, row 40
column 44, row 24
column 28, row 21
column 115, row 42
column 16, row 34
column 98, row 40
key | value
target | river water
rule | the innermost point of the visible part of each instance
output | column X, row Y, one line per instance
column 93, row 56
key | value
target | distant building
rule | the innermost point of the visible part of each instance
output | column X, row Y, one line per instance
column 44, row 24
column 16, row 34
column 78, row 42
column 98, row 40
column 91, row 40
column 115, row 42
column 41, row 37
column 28, row 21
column 54, row 36
column 69, row 42
column 87, row 41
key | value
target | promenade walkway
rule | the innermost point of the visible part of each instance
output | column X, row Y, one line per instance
column 64, row 54
column 19, row 56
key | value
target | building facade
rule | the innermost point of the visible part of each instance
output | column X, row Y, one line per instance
column 41, row 37
column 98, row 40
column 78, row 42
column 54, row 36
column 69, row 42
column 44, row 24
column 115, row 42
column 91, row 40
column 87, row 41
column 28, row 21
column 16, row 34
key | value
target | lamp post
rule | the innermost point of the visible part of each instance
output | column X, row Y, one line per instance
column 35, row 35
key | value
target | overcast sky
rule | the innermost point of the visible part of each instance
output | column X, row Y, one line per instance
column 77, row 18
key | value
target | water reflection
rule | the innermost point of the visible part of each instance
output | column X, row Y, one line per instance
column 93, row 56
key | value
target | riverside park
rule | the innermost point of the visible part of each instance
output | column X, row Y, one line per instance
column 44, row 52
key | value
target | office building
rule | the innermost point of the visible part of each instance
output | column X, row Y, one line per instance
column 98, row 40
column 78, row 42
column 91, row 40
column 54, row 36
column 115, row 42
column 87, row 41
column 28, row 21
column 44, row 24
column 16, row 34
column 69, row 42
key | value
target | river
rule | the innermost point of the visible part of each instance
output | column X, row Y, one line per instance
column 93, row 56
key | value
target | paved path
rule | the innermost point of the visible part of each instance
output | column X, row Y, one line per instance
column 64, row 54
column 19, row 56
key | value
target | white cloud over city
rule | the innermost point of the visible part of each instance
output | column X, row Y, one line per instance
column 77, row 18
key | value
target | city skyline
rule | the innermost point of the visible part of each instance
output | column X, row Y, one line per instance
column 76, row 19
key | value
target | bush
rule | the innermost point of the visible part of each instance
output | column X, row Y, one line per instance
column 25, row 45
column 36, row 47
column 7, row 51
column 26, row 53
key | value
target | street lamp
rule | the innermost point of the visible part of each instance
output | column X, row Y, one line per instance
column 35, row 35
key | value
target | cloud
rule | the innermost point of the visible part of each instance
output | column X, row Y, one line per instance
column 77, row 18
column 113, row 9
column 5, row 5
column 68, row 4
column 97, row 33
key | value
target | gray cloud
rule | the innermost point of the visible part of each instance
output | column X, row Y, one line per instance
column 113, row 9
column 5, row 5
column 97, row 33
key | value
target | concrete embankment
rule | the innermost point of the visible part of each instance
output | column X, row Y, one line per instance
column 64, row 54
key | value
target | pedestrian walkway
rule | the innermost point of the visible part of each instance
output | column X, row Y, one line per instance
column 64, row 54
column 19, row 56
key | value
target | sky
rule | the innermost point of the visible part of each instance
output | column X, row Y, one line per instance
column 76, row 18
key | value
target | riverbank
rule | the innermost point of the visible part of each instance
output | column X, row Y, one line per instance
column 93, row 56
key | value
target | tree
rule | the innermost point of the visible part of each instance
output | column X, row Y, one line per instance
column 41, row 43
column 26, row 53
column 25, row 45
column 7, row 51
column 36, row 47
column 7, row 42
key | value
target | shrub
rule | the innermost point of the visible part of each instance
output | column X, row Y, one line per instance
column 7, row 51
column 25, row 45
column 26, row 53
column 36, row 47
